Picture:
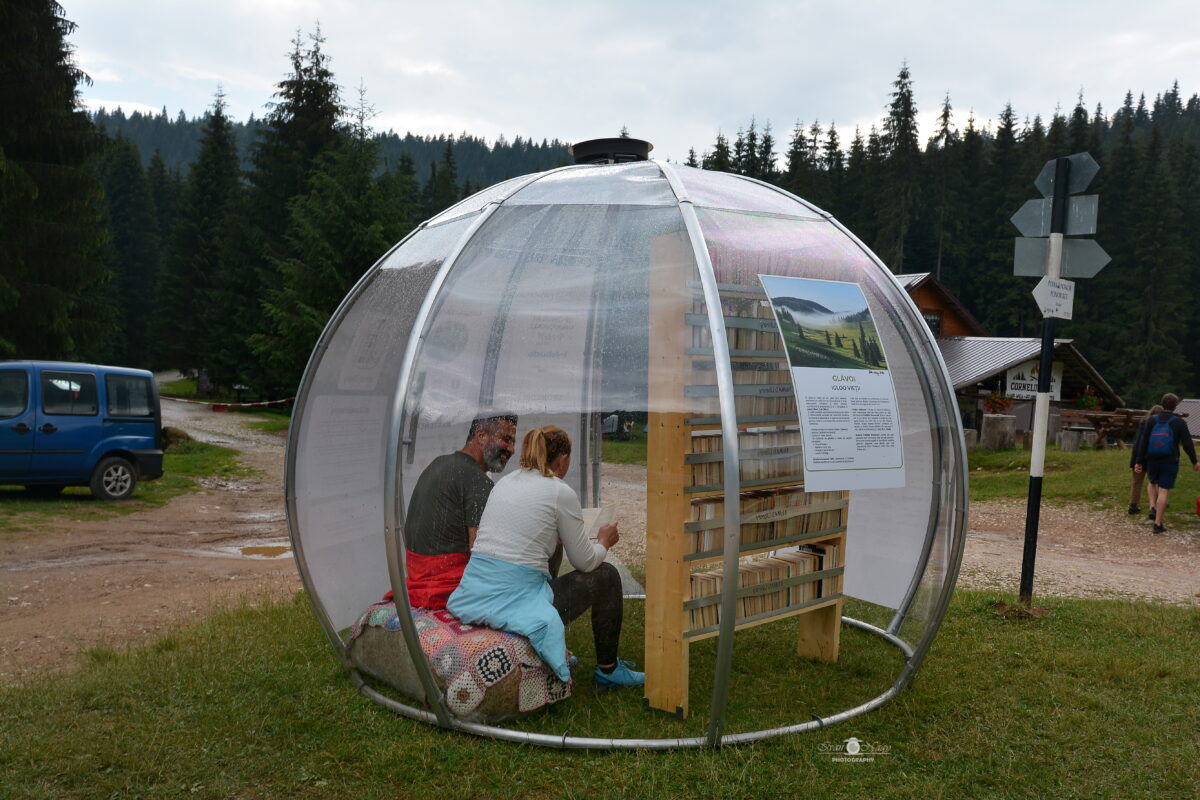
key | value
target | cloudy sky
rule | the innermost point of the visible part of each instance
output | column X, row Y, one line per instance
column 672, row 72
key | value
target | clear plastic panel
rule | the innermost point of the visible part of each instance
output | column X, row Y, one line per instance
column 543, row 315
column 477, row 201
column 887, row 528
column 709, row 189
column 640, row 183
column 342, row 422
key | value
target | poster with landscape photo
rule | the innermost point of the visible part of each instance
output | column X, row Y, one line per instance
column 829, row 325
column 844, row 392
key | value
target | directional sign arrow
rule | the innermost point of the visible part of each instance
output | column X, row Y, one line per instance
column 1082, row 258
column 1056, row 298
column 1033, row 219
column 1083, row 169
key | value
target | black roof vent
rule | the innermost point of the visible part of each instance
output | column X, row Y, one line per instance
column 611, row 151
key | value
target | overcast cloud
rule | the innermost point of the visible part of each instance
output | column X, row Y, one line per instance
column 672, row 72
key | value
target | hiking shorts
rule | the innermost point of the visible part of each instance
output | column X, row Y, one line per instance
column 1163, row 473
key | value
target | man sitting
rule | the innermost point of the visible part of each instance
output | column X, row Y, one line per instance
column 445, row 508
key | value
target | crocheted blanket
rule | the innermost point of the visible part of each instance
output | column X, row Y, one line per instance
column 486, row 674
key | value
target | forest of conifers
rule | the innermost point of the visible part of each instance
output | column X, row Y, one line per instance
column 211, row 244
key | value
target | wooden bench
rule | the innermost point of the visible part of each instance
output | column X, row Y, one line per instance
column 1120, row 423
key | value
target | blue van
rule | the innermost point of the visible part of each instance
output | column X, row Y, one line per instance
column 65, row 424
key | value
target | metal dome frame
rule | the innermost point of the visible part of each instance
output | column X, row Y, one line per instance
column 947, row 426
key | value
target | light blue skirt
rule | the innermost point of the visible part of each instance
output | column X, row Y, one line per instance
column 516, row 598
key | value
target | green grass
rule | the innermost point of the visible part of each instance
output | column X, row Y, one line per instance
column 184, row 387
column 1099, row 479
column 632, row 451
column 1095, row 700
column 182, row 465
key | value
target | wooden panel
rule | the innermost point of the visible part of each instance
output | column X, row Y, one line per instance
column 667, row 509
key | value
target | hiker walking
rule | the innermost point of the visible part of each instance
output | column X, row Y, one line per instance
column 1135, row 488
column 1158, row 455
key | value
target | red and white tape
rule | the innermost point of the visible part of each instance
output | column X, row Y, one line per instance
column 225, row 406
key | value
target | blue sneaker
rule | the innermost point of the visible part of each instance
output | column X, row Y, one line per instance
column 572, row 662
column 619, row 678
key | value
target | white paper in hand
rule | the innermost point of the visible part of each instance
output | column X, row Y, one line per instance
column 596, row 518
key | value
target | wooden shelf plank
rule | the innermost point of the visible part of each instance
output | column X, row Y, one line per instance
column 770, row 616
column 753, row 548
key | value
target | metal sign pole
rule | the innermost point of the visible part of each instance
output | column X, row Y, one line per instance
column 1037, row 463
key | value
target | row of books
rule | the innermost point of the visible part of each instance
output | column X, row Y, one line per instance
column 767, row 515
column 759, row 337
column 751, row 405
column 763, row 455
column 755, row 572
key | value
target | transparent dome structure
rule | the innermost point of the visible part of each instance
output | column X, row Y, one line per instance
column 570, row 294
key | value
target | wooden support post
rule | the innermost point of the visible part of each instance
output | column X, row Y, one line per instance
column 668, row 438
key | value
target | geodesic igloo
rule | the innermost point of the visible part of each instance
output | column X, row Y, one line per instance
column 693, row 302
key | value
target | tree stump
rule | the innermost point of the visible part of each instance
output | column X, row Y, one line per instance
column 999, row 432
column 1069, row 441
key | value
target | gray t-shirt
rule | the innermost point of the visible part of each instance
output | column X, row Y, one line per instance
column 449, row 498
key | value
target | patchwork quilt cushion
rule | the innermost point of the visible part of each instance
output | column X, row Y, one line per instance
column 487, row 675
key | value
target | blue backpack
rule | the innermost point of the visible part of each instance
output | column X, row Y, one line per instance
column 1162, row 438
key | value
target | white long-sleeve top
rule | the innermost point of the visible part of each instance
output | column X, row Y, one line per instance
column 526, row 515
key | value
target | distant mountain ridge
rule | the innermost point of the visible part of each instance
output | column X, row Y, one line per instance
column 801, row 305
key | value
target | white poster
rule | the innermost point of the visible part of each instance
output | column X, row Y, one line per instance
column 1023, row 380
column 844, row 391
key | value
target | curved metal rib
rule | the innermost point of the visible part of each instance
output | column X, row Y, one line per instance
column 393, row 514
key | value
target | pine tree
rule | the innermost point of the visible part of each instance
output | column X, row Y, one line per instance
column 1154, row 358
column 342, row 225
column 720, row 160
column 191, row 308
column 945, row 189
column 799, row 177
column 443, row 182
column 136, row 249
column 692, row 161
column 165, row 186
column 53, row 239
column 1009, row 308
column 902, row 174
column 833, row 161
column 766, row 158
column 304, row 124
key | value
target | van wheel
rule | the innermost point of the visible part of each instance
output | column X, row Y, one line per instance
column 114, row 479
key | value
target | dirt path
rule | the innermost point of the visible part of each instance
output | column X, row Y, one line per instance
column 129, row 580
column 1083, row 553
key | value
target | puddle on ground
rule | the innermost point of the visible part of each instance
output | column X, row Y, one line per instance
column 257, row 550
column 266, row 551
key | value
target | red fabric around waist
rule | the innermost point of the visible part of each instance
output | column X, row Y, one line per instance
column 431, row 579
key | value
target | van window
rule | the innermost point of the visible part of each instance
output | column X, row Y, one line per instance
column 69, row 393
column 128, row 396
column 14, row 393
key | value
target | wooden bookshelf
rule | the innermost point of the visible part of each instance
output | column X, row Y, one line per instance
column 685, row 479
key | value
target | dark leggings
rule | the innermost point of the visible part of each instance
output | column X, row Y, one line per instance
column 599, row 590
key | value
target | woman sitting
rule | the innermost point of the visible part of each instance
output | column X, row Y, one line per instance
column 507, row 585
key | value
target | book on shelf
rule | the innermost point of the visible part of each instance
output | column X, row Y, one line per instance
column 762, row 336
column 767, row 515
column 763, row 454
column 783, row 565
